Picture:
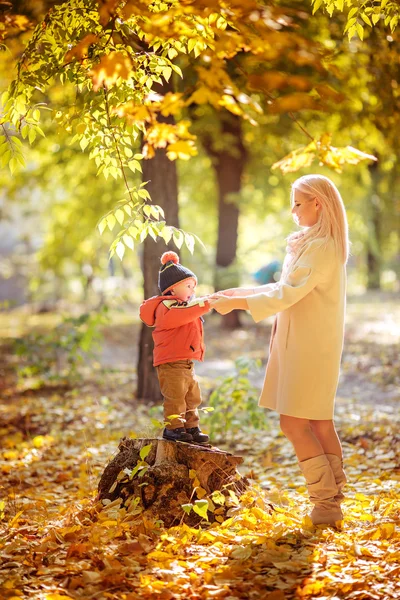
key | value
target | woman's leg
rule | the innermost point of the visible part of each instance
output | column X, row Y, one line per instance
column 327, row 436
column 326, row 433
column 316, row 468
column 300, row 434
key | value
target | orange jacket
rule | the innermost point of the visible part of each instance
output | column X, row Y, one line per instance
column 178, row 327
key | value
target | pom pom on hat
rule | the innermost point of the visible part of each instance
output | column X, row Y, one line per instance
column 169, row 256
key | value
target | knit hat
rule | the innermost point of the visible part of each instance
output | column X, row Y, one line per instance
column 172, row 272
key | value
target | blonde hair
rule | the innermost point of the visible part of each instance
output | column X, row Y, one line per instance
column 332, row 221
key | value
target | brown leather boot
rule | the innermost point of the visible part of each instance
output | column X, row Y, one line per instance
column 340, row 477
column 322, row 490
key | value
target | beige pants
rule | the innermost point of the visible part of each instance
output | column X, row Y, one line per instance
column 181, row 392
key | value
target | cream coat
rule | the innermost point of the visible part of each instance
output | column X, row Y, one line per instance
column 307, row 338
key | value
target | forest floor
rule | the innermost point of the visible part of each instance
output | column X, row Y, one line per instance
column 58, row 542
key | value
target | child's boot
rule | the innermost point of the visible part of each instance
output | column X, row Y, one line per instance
column 322, row 490
column 177, row 435
column 198, row 436
column 340, row 477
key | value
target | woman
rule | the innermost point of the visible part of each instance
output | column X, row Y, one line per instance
column 307, row 337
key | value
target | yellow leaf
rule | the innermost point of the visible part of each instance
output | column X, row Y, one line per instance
column 172, row 53
column 230, row 104
column 384, row 531
column 242, row 553
column 111, row 67
column 109, row 523
column 200, row 492
column 15, row 519
column 182, row 149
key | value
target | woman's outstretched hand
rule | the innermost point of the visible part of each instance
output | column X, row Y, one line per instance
column 225, row 304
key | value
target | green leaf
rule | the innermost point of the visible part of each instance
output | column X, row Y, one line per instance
column 316, row 6
column 393, row 23
column 5, row 158
column 177, row 70
column 350, row 24
column 144, row 194
column 189, row 241
column 40, row 131
column 120, row 216
column 84, row 142
column 167, row 72
column 201, row 507
column 172, row 53
column 218, row 497
column 147, row 210
column 102, row 225
column 111, row 222
column 120, row 250
column 160, row 210
column 366, row 19
column 24, row 131
column 128, row 241
column 187, row 508
column 145, row 451
column 166, row 234
column 178, row 238
column 13, row 164
column 135, row 165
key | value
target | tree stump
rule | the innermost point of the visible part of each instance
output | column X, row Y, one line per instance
column 173, row 474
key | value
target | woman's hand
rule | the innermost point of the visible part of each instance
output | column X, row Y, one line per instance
column 231, row 292
column 234, row 293
column 225, row 304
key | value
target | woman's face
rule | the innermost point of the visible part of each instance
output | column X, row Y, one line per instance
column 305, row 210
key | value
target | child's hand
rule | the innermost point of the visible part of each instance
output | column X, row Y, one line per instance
column 225, row 304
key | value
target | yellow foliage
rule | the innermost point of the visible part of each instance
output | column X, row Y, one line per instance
column 203, row 95
column 111, row 67
column 293, row 103
column 326, row 154
column 182, row 149
column 80, row 50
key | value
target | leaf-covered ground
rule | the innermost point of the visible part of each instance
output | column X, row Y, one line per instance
column 58, row 542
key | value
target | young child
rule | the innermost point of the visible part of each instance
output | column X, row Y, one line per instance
column 178, row 340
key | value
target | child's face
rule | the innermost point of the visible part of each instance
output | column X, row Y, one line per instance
column 185, row 289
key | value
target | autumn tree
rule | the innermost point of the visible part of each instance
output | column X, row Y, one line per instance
column 110, row 56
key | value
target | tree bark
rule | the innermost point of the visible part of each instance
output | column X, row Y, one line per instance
column 229, row 163
column 161, row 173
column 374, row 240
column 174, row 472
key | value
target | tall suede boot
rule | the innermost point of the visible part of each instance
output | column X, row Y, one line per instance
column 322, row 490
column 340, row 477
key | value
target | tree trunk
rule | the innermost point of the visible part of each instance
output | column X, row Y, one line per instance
column 229, row 163
column 173, row 473
column 161, row 174
column 374, row 240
